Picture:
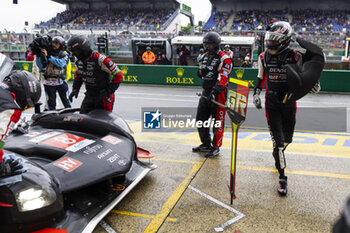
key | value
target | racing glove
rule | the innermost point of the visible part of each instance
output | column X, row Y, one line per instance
column 74, row 93
column 256, row 98
column 217, row 89
column 11, row 165
column 109, row 90
column 316, row 89
column 202, row 72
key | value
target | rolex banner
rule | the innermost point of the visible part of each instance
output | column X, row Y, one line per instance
column 237, row 102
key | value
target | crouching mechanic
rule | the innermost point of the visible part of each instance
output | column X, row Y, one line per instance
column 18, row 91
column 214, row 71
column 280, row 113
column 95, row 70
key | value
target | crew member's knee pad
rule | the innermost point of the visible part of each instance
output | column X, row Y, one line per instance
column 280, row 160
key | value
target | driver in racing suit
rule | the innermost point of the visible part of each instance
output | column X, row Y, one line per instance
column 95, row 70
column 280, row 114
column 19, row 91
column 214, row 71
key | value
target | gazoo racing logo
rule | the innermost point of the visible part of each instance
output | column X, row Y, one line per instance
column 237, row 102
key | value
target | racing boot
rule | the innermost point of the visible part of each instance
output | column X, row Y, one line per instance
column 282, row 188
column 214, row 151
column 201, row 148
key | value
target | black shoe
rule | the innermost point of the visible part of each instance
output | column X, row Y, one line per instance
column 214, row 151
column 282, row 188
column 201, row 148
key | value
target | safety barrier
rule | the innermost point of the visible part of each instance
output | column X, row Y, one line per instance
column 331, row 80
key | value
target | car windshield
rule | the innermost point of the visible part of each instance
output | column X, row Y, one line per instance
column 6, row 66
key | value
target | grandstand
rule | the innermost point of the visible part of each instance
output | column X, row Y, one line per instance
column 326, row 23
column 133, row 16
column 323, row 22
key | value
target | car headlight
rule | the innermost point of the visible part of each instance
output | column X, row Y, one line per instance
column 34, row 198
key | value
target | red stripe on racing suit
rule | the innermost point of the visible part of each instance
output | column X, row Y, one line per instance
column 224, row 69
column 7, row 122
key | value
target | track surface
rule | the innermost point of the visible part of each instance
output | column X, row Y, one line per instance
column 188, row 193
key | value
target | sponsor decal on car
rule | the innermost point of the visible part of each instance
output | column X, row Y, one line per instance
column 32, row 134
column 68, row 164
column 68, row 142
column 122, row 162
column 111, row 139
column 44, row 137
column 93, row 149
column 104, row 154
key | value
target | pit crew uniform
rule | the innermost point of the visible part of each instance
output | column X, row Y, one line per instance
column 214, row 73
column 96, row 73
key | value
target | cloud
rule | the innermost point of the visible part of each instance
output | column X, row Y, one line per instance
column 13, row 16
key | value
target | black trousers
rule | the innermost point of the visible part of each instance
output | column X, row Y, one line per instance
column 281, row 121
column 207, row 109
column 51, row 95
column 97, row 102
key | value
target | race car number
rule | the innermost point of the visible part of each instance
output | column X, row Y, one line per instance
column 68, row 142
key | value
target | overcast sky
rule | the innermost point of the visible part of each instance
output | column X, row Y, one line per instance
column 13, row 16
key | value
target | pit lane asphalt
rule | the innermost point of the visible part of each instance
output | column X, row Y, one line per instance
column 188, row 193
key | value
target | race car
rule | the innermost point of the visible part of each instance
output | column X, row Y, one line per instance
column 79, row 167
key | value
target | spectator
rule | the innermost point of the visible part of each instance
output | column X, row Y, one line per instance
column 29, row 55
column 228, row 51
column 200, row 57
column 160, row 59
column 139, row 57
column 183, row 55
column 148, row 56
column 247, row 57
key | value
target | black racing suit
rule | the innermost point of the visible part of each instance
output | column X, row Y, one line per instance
column 96, row 73
column 214, row 73
column 10, row 113
column 280, row 116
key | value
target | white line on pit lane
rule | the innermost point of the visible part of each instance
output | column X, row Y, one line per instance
column 221, row 227
column 189, row 98
column 107, row 227
column 157, row 98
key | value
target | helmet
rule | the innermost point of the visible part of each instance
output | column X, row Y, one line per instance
column 227, row 46
column 6, row 66
column 59, row 40
column 201, row 50
column 25, row 86
column 148, row 48
column 80, row 47
column 278, row 36
column 214, row 39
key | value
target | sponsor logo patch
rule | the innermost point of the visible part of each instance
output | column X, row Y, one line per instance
column 44, row 137
column 32, row 134
column 111, row 139
column 68, row 164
